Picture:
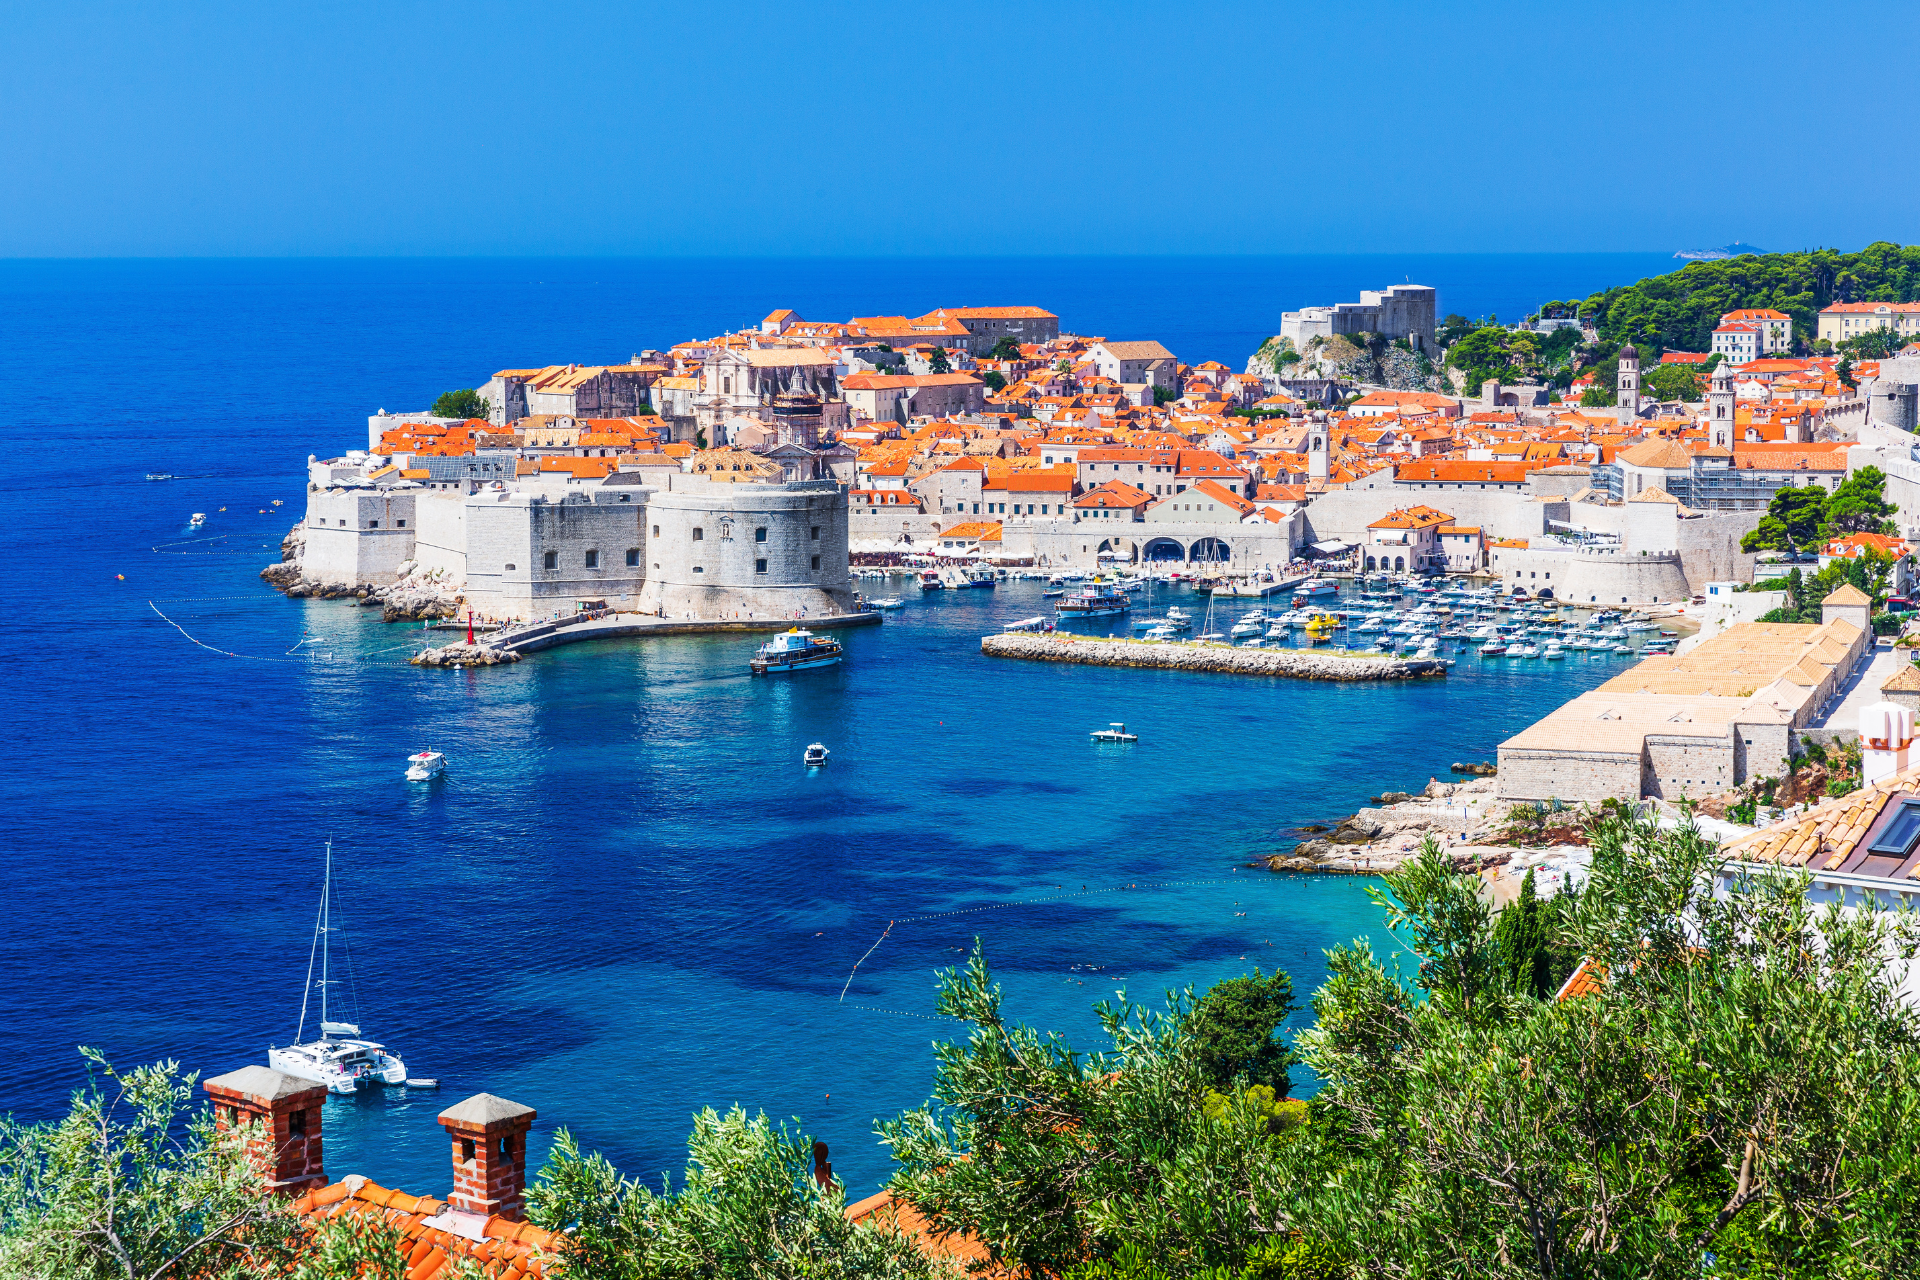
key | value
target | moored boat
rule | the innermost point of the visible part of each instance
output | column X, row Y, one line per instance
column 1115, row 732
column 1093, row 602
column 423, row 765
column 795, row 650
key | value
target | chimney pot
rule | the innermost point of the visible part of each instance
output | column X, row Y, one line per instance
column 489, row 1141
column 280, row 1116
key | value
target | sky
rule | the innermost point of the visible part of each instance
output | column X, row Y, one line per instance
column 490, row 128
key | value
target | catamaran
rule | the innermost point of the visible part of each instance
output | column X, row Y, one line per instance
column 340, row 1059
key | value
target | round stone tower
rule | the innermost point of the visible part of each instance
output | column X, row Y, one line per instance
column 714, row 550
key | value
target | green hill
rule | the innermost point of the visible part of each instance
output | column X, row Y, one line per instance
column 1678, row 311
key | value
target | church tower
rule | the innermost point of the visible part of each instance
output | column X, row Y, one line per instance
column 1720, row 407
column 1627, row 386
column 1317, row 445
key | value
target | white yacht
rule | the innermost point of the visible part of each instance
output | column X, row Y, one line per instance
column 341, row 1058
column 424, row 765
column 199, row 520
column 815, row 756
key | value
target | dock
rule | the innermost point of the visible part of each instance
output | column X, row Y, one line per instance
column 535, row 637
column 1297, row 664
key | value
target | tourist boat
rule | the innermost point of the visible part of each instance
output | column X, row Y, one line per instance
column 198, row 521
column 423, row 765
column 795, row 650
column 815, row 756
column 930, row 581
column 888, row 602
column 1115, row 732
column 1093, row 602
column 341, row 1059
column 1492, row 650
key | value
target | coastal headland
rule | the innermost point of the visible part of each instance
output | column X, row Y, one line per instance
column 1226, row 659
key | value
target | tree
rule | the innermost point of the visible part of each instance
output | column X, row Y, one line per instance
column 134, row 1183
column 1522, row 940
column 937, row 363
column 1735, row 1099
column 1005, row 349
column 1054, row 1157
column 1801, row 510
column 1234, row 1031
column 1674, row 382
column 464, row 403
column 1859, row 505
column 1596, row 398
column 994, row 380
column 749, row 1207
column 1769, row 535
column 1844, row 372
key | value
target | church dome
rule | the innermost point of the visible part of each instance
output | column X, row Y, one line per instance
column 1628, row 353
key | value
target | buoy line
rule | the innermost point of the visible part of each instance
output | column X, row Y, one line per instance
column 212, row 649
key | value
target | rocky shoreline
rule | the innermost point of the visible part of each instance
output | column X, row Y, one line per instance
column 1223, row 658
column 1466, row 817
column 416, row 595
column 463, row 655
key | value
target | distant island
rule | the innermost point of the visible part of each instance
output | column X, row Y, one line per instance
column 1733, row 250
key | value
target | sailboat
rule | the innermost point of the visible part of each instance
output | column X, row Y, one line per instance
column 340, row 1059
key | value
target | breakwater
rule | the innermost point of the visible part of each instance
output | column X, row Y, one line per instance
column 1227, row 659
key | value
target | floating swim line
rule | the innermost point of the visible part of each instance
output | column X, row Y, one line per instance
column 212, row 649
column 863, row 959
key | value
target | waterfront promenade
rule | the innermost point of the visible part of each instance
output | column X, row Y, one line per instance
column 550, row 635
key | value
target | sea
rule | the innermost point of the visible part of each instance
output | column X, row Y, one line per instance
column 625, row 900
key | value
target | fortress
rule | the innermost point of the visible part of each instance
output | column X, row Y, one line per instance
column 667, row 542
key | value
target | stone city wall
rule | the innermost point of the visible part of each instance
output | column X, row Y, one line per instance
column 357, row 537
column 1344, row 514
column 1585, row 777
column 772, row 550
column 1590, row 577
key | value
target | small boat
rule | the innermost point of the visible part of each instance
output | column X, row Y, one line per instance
column 166, row 475
column 816, row 755
column 930, row 581
column 1051, row 595
column 423, row 765
column 1115, row 732
column 199, row 520
column 1027, row 624
column 1212, row 637
column 1493, row 650
column 795, row 650
column 1525, row 651
column 890, row 602
column 1553, row 651
column 1247, row 627
column 422, row 1082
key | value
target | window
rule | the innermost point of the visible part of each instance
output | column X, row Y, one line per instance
column 297, row 1123
column 1898, row 836
column 466, row 1149
column 656, row 531
column 759, row 566
column 373, row 524
column 511, row 568
column 698, row 533
column 699, row 569
column 633, row 557
column 816, row 564
column 399, row 524
column 506, row 1147
column 593, row 559
column 553, row 560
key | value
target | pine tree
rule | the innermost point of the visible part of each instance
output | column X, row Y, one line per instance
column 1520, row 939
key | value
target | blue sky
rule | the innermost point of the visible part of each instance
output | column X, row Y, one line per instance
column 963, row 128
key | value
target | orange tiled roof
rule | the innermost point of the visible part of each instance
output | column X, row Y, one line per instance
column 506, row 1250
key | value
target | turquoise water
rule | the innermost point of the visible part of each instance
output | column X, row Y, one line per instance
column 626, row 899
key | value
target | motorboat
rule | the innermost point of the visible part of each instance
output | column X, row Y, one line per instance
column 341, row 1059
column 160, row 475
column 815, row 755
column 1027, row 624
column 1052, row 595
column 1093, row 602
column 1279, row 631
column 1553, row 650
column 1492, row 649
column 1115, row 732
column 424, row 765
column 930, row 581
column 199, row 520
column 1211, row 637
column 888, row 602
column 1161, row 634
column 795, row 650
column 1525, row 651
column 1247, row 627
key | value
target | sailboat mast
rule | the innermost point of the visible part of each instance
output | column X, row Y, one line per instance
column 326, row 936
column 319, row 924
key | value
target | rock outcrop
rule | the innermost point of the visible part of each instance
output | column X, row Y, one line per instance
column 416, row 595
column 463, row 655
column 1224, row 658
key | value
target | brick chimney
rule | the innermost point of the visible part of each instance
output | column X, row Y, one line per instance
column 489, row 1155
column 280, row 1115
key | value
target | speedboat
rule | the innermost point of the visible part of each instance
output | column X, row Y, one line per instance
column 1115, row 732
column 199, row 520
column 1553, row 650
column 1492, row 650
column 795, row 650
column 423, row 765
column 341, row 1059
column 816, row 755
column 1526, row 651
column 890, row 602
column 1247, row 627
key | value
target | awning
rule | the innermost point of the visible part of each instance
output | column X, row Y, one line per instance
column 1332, row 548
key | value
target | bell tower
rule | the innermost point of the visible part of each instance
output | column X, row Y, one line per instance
column 1317, row 468
column 1720, row 407
column 1627, row 385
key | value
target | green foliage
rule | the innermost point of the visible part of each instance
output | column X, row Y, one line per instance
column 1506, row 355
column 1674, row 382
column 134, row 1184
column 1070, row 1156
column 1875, row 344
column 1235, row 1031
column 464, row 403
column 1277, row 1113
column 1844, row 372
column 994, row 380
column 748, row 1209
column 1596, row 398
column 1521, row 940
column 1859, row 505
column 1164, row 395
column 1007, row 348
column 1793, row 520
column 1441, row 917
column 1771, row 534
column 938, row 363
column 1742, row 1085
column 1871, row 574
column 1679, row 310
